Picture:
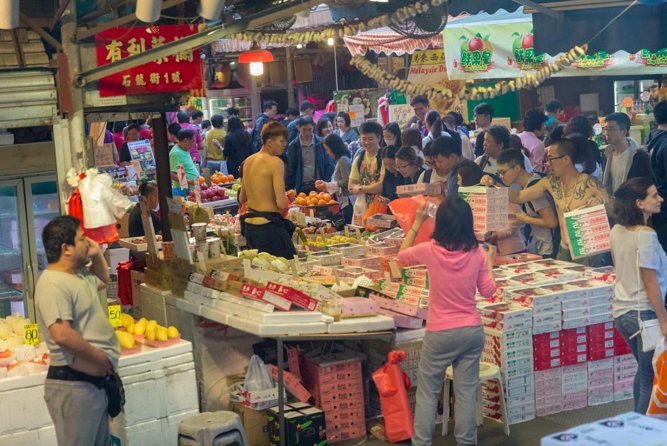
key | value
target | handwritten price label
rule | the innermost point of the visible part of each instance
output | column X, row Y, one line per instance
column 31, row 334
column 114, row 316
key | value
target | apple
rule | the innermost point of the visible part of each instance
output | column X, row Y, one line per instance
column 527, row 41
column 205, row 200
column 203, row 186
column 192, row 194
column 476, row 44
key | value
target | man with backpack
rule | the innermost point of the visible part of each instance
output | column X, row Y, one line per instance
column 657, row 148
column 538, row 215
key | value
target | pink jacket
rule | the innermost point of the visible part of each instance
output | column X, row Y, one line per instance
column 454, row 278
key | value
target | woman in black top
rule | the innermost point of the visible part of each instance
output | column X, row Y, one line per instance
column 391, row 176
column 148, row 193
column 237, row 145
column 409, row 165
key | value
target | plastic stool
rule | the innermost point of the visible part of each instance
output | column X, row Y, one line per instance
column 487, row 372
column 212, row 429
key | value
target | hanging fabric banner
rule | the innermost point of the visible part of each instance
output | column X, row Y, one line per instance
column 174, row 72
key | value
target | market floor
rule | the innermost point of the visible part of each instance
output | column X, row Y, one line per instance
column 530, row 432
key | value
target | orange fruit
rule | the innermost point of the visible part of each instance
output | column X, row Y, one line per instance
column 291, row 193
column 321, row 202
column 312, row 201
column 326, row 197
column 302, row 195
column 202, row 180
column 312, row 193
column 300, row 201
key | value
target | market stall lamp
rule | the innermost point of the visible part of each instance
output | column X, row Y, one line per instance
column 255, row 54
column 330, row 41
column 211, row 9
column 9, row 14
column 256, row 68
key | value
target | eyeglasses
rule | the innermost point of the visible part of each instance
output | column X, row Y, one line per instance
column 402, row 166
column 550, row 159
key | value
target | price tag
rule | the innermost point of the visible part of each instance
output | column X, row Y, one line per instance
column 114, row 316
column 31, row 334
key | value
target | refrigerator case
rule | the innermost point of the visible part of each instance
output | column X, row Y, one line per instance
column 26, row 206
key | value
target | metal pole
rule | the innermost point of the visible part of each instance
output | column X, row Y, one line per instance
column 291, row 102
column 77, row 129
column 335, row 63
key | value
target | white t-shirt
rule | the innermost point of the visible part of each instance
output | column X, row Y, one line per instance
column 619, row 167
column 435, row 178
column 629, row 290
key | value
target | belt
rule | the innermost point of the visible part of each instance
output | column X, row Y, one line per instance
column 66, row 373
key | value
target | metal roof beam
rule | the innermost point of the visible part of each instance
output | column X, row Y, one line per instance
column 574, row 5
column 540, row 8
column 209, row 35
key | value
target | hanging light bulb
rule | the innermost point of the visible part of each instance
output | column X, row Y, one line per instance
column 256, row 68
column 148, row 11
column 9, row 14
column 330, row 41
column 299, row 46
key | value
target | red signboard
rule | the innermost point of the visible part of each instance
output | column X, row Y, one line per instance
column 173, row 72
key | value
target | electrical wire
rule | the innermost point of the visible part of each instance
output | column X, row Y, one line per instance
column 612, row 21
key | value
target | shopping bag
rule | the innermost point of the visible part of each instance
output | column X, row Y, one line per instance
column 658, row 405
column 377, row 206
column 359, row 210
column 404, row 209
column 392, row 384
column 258, row 376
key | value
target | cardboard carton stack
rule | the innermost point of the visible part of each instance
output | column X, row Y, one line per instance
column 490, row 207
column 304, row 425
column 508, row 344
column 547, row 351
column 600, row 381
column 337, row 388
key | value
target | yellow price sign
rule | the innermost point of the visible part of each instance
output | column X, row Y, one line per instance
column 114, row 316
column 31, row 334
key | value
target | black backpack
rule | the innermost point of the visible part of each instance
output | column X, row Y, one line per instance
column 555, row 232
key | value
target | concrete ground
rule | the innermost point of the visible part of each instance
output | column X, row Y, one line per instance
column 529, row 433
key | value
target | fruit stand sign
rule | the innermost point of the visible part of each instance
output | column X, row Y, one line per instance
column 174, row 72
column 114, row 316
column 143, row 152
column 588, row 231
column 31, row 334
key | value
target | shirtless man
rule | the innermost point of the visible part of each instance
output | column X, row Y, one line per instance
column 263, row 189
column 570, row 190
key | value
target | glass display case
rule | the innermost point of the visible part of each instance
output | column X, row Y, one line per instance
column 26, row 206
column 224, row 99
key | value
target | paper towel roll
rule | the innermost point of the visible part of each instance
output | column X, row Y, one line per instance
column 211, row 9
column 9, row 14
column 148, row 11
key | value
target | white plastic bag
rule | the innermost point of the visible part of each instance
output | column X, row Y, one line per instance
column 360, row 208
column 257, row 377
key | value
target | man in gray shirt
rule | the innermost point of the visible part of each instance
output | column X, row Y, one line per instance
column 307, row 161
column 82, row 344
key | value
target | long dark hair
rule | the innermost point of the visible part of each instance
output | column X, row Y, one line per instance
column 435, row 122
column 236, row 128
column 454, row 225
column 411, row 137
column 585, row 150
column 625, row 205
column 336, row 145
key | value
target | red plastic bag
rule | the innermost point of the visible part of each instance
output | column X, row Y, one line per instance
column 124, row 271
column 392, row 384
column 404, row 209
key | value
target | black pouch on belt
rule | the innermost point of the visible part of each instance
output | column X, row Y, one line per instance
column 112, row 385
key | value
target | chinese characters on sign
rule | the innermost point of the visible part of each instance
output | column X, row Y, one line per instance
column 174, row 72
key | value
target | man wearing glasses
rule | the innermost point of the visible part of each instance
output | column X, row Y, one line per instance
column 625, row 160
column 570, row 190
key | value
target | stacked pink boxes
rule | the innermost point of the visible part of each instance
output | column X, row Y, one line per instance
column 600, row 381
column 489, row 207
column 508, row 344
column 337, row 387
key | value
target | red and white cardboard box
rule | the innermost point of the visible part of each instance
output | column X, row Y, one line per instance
column 293, row 384
column 362, row 261
column 403, row 321
column 382, row 249
column 297, row 297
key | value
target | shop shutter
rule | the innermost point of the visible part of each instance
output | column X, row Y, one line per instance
column 27, row 98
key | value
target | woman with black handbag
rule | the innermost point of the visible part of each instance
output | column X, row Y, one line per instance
column 641, row 279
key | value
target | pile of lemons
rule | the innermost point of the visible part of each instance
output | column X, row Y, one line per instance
column 151, row 331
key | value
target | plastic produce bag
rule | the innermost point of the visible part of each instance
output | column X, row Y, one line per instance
column 658, row 404
column 258, row 376
column 377, row 206
column 392, row 384
column 359, row 210
column 404, row 209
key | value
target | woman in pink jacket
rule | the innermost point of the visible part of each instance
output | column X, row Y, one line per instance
column 457, row 267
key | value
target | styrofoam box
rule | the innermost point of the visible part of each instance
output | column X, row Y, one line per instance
column 45, row 436
column 153, row 304
column 149, row 432
column 28, row 410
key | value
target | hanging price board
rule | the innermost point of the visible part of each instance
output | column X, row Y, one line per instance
column 31, row 334
column 114, row 316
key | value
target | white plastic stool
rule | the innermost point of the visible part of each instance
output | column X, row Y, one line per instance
column 487, row 372
column 212, row 429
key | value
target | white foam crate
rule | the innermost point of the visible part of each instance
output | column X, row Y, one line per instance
column 45, row 436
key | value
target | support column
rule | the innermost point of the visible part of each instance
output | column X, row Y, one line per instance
column 291, row 101
column 255, row 105
column 162, row 171
column 80, row 148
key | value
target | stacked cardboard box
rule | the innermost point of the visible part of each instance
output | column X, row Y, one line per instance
column 625, row 368
column 508, row 344
column 490, row 207
column 600, row 381
column 548, row 391
column 575, row 386
column 298, row 415
column 337, row 388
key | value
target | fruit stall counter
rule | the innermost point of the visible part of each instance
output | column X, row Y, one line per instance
column 222, row 206
column 160, row 391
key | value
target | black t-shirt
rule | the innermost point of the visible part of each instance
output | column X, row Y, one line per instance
column 136, row 228
column 479, row 144
column 389, row 183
